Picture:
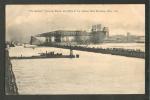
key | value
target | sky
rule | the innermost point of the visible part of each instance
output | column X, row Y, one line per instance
column 24, row 21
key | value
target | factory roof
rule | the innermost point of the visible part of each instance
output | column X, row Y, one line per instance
column 64, row 32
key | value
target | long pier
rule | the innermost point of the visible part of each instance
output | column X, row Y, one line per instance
column 112, row 51
column 10, row 80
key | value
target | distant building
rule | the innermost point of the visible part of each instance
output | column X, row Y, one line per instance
column 141, row 39
column 97, row 35
column 128, row 38
column 116, row 39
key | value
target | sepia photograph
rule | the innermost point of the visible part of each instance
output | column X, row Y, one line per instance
column 75, row 49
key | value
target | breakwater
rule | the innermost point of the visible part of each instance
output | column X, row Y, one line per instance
column 10, row 81
column 112, row 51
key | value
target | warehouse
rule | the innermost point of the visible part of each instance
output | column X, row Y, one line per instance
column 97, row 35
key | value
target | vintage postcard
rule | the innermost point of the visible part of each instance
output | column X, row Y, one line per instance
column 75, row 49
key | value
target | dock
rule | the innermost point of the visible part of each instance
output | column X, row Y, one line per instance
column 112, row 51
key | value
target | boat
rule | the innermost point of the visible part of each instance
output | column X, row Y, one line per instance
column 49, row 55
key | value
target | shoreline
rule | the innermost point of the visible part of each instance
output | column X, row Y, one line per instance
column 113, row 51
column 10, row 80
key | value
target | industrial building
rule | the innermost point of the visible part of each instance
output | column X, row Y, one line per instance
column 96, row 35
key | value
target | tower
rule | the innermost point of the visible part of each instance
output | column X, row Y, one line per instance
column 106, row 30
column 96, row 28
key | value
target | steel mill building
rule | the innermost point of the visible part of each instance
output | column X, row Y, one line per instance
column 96, row 35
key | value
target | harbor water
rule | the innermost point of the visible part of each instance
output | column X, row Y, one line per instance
column 91, row 73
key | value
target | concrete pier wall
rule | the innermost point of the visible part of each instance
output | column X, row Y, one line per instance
column 10, row 81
